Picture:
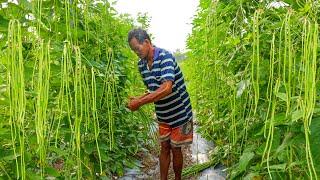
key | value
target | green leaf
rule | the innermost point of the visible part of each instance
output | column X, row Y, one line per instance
column 103, row 147
column 314, row 142
column 296, row 115
column 89, row 147
column 131, row 163
column 316, row 110
column 33, row 176
column 26, row 5
column 286, row 141
column 280, row 119
column 276, row 139
column 52, row 171
column 244, row 161
column 3, row 24
column 58, row 151
column 10, row 157
column 282, row 96
column 4, row 132
column 242, row 165
column 104, row 157
column 251, row 176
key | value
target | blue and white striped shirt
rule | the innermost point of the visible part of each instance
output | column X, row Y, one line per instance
column 174, row 109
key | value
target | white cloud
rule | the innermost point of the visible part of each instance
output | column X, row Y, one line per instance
column 170, row 19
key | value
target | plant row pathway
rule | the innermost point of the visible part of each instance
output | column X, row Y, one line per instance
column 198, row 152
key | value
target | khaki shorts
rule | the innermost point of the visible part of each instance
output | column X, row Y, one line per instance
column 178, row 136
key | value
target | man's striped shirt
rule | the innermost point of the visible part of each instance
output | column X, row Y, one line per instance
column 174, row 109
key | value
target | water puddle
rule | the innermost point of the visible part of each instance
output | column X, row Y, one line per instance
column 200, row 154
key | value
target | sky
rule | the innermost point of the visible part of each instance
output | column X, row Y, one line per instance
column 170, row 19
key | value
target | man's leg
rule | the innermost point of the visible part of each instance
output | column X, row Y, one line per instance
column 164, row 159
column 177, row 162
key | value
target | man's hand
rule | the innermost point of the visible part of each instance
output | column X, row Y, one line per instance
column 134, row 104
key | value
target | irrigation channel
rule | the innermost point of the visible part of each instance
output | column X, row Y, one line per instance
column 67, row 71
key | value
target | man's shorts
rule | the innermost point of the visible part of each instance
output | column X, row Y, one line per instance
column 178, row 136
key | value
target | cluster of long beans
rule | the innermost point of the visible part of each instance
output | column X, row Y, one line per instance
column 37, row 10
column 82, row 99
column 64, row 97
column 70, row 113
column 289, row 79
column 86, row 17
column 243, row 102
column 255, row 65
column 308, row 84
column 269, row 118
column 110, row 94
column 95, row 117
column 288, row 62
column 286, row 86
column 41, row 85
column 212, row 18
column 237, row 113
column 195, row 169
column 16, row 95
column 79, row 106
column 209, row 65
column 42, row 90
column 286, row 71
column 68, row 24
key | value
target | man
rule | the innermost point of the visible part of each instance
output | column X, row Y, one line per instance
column 164, row 80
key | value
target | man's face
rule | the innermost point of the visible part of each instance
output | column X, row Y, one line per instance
column 140, row 49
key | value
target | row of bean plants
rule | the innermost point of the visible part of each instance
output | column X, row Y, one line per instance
column 66, row 71
column 253, row 72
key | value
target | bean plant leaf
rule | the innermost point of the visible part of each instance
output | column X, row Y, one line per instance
column 315, row 141
column 245, row 160
column 3, row 24
column 52, row 172
column 296, row 115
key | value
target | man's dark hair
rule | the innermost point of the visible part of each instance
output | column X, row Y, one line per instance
column 139, row 34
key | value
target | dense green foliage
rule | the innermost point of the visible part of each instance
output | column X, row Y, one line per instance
column 66, row 72
column 253, row 72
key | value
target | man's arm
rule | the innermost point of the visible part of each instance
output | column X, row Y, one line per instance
column 142, row 96
column 164, row 90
